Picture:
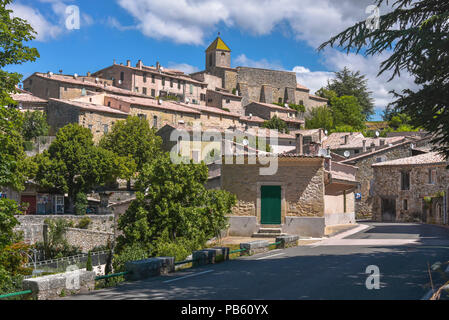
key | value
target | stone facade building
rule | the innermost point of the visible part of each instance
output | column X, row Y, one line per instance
column 305, row 194
column 365, row 176
column 412, row 189
column 26, row 101
column 254, row 84
column 266, row 111
column 155, row 81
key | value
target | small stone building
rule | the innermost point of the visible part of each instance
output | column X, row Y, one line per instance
column 412, row 189
column 380, row 153
column 303, row 197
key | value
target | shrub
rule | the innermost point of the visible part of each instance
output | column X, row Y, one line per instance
column 89, row 262
column 180, row 249
column 80, row 203
column 132, row 252
column 28, row 145
column 84, row 223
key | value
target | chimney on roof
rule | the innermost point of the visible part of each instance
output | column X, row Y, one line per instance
column 139, row 64
column 299, row 144
column 128, row 63
column 88, row 73
column 373, row 147
column 113, row 62
column 382, row 142
column 121, row 63
column 158, row 66
column 364, row 145
column 346, row 139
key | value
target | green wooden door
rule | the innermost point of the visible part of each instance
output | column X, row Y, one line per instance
column 270, row 205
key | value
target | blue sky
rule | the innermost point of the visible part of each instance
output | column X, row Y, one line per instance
column 281, row 34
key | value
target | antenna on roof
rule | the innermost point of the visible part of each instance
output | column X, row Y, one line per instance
column 377, row 134
column 347, row 154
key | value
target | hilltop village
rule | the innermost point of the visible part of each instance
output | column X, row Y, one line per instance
column 322, row 179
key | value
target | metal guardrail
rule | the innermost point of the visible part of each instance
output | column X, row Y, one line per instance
column 14, row 294
column 112, row 275
column 68, row 259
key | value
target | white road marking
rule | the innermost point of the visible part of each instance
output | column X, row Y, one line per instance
column 188, row 276
column 274, row 255
column 366, row 242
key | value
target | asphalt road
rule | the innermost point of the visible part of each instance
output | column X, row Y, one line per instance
column 331, row 269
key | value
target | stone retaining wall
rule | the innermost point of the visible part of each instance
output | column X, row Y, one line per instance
column 88, row 239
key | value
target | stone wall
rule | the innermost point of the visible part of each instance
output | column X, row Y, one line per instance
column 301, row 181
column 387, row 182
column 104, row 223
column 88, row 239
column 365, row 177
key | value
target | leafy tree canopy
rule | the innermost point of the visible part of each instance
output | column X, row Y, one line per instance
column 133, row 138
column 415, row 35
column 348, row 111
column 348, row 83
column 34, row 125
column 276, row 123
column 320, row 118
column 73, row 164
column 173, row 207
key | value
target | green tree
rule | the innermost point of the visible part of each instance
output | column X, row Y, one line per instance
column 348, row 111
column 73, row 164
column 320, row 117
column 277, row 124
column 173, row 206
column 133, row 138
column 34, row 125
column 415, row 37
column 89, row 262
column 348, row 83
column 14, row 32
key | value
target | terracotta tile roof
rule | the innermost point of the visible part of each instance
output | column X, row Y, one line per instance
column 26, row 97
column 85, row 83
column 227, row 94
column 301, row 87
column 376, row 151
column 164, row 72
column 434, row 158
column 89, row 106
column 272, row 106
column 312, row 96
column 254, row 119
column 153, row 103
column 210, row 110
column 336, row 141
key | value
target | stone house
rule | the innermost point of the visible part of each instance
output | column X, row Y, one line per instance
column 293, row 118
column 27, row 101
column 412, row 189
column 155, row 81
column 365, row 175
column 305, row 195
column 224, row 100
column 58, row 86
column 356, row 143
column 98, row 118
column 157, row 112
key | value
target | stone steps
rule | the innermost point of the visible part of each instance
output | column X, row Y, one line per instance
column 268, row 233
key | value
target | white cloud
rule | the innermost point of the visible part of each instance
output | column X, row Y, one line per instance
column 45, row 30
column 311, row 21
column 184, row 67
column 244, row 61
column 190, row 21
